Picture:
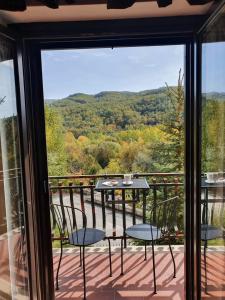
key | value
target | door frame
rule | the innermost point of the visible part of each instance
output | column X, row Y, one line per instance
column 12, row 37
column 217, row 9
column 115, row 33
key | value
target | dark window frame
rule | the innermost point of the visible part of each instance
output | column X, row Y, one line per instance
column 114, row 33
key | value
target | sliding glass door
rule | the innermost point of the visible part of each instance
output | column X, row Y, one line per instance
column 213, row 161
column 13, row 254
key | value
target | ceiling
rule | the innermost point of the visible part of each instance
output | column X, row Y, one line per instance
column 100, row 12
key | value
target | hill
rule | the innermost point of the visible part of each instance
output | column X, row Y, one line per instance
column 84, row 114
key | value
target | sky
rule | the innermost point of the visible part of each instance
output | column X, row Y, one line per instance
column 7, row 89
column 213, row 66
column 91, row 71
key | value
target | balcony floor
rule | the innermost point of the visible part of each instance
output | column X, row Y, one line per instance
column 135, row 284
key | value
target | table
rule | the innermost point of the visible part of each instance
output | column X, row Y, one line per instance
column 139, row 184
column 210, row 186
column 205, row 184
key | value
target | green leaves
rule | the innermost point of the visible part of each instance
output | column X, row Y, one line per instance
column 114, row 132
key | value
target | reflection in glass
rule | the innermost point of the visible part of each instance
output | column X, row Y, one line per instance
column 13, row 270
column 213, row 163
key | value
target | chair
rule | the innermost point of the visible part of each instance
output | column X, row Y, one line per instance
column 212, row 225
column 162, row 226
column 67, row 219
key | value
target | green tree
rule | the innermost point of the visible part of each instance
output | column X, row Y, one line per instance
column 173, row 125
column 213, row 135
column 55, row 136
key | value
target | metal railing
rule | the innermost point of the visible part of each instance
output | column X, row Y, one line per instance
column 79, row 191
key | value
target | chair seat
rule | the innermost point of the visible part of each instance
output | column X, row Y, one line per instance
column 144, row 232
column 210, row 232
column 92, row 236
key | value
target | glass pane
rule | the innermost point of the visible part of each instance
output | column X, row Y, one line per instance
column 213, row 162
column 110, row 114
column 13, row 256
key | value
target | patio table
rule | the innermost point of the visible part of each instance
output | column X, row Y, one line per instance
column 214, row 186
column 138, row 184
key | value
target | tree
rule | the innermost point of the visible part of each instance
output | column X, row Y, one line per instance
column 55, row 137
column 213, row 135
column 173, row 123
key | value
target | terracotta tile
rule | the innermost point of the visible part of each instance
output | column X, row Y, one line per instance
column 135, row 284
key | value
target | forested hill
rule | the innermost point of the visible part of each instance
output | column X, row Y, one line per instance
column 85, row 114
column 113, row 132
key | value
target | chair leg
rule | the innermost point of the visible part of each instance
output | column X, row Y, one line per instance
column 145, row 250
column 153, row 261
column 125, row 241
column 121, row 256
column 174, row 264
column 84, row 274
column 60, row 259
column 80, row 257
column 110, row 259
column 205, row 247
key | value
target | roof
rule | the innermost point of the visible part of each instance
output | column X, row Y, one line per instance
column 100, row 12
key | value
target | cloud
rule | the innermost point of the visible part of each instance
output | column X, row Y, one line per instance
column 134, row 59
column 150, row 65
column 101, row 54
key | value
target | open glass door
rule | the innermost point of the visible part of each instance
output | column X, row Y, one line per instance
column 213, row 160
column 13, row 254
column 112, row 114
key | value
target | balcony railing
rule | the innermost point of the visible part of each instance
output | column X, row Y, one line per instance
column 79, row 191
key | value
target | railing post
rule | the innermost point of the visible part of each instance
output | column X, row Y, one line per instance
column 124, row 217
column 165, row 195
column 62, row 204
column 93, row 203
column 135, row 193
column 144, row 206
column 50, row 192
column 176, row 181
column 82, row 199
column 113, row 213
column 154, row 200
column 103, row 209
column 50, row 203
column 72, row 203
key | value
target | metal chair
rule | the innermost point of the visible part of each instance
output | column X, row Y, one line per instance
column 162, row 226
column 68, row 219
column 212, row 225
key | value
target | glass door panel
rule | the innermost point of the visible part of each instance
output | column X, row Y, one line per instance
column 13, row 255
column 213, row 162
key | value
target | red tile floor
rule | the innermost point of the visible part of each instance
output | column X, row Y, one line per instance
column 137, row 281
column 215, row 275
column 135, row 284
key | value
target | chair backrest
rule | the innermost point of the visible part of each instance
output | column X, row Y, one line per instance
column 67, row 219
column 164, row 216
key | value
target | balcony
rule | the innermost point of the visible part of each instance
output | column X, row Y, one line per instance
column 137, row 281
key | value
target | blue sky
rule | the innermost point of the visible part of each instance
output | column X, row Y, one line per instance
column 7, row 89
column 213, row 62
column 120, row 69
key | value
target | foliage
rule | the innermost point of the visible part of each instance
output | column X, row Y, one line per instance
column 93, row 136
column 213, row 134
column 114, row 132
column 173, row 122
column 55, row 136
